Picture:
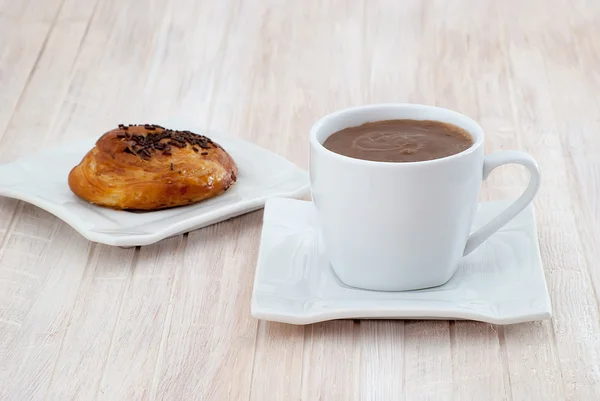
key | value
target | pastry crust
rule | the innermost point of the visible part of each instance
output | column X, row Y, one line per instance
column 147, row 167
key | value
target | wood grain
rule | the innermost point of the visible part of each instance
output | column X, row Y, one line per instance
column 215, row 320
column 427, row 361
column 83, row 354
column 331, row 355
column 382, row 364
column 42, row 265
column 171, row 321
column 282, row 350
column 575, row 308
column 129, row 372
column 22, row 49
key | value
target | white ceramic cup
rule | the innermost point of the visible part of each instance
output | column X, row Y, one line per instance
column 403, row 226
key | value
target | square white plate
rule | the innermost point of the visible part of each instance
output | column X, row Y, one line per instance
column 502, row 282
column 41, row 179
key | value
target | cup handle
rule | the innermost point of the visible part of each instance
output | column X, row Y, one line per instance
column 490, row 162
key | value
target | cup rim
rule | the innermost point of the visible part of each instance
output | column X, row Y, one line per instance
column 318, row 146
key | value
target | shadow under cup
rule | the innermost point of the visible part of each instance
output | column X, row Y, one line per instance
column 395, row 226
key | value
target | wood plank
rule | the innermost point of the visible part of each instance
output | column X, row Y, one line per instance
column 97, row 306
column 8, row 209
column 575, row 308
column 305, row 68
column 135, row 344
column 28, row 11
column 209, row 348
column 21, row 273
column 522, row 376
column 22, row 49
column 29, row 25
column 28, row 131
column 42, row 265
column 109, row 78
column 382, row 353
column 530, row 354
column 41, row 100
column 278, row 355
column 17, row 60
column 475, row 349
column 331, row 359
column 427, row 361
column 187, row 68
column 578, row 107
column 230, row 108
column 575, row 107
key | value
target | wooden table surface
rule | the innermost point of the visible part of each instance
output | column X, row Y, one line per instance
column 172, row 321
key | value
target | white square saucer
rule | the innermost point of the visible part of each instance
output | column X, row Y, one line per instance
column 41, row 179
column 501, row 282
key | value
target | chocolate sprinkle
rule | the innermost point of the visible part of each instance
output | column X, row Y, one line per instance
column 172, row 167
column 178, row 144
column 161, row 139
column 204, row 153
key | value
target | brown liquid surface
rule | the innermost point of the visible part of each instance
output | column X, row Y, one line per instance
column 400, row 141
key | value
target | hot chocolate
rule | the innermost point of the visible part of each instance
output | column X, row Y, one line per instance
column 400, row 141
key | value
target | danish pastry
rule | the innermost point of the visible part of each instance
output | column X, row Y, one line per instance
column 148, row 167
